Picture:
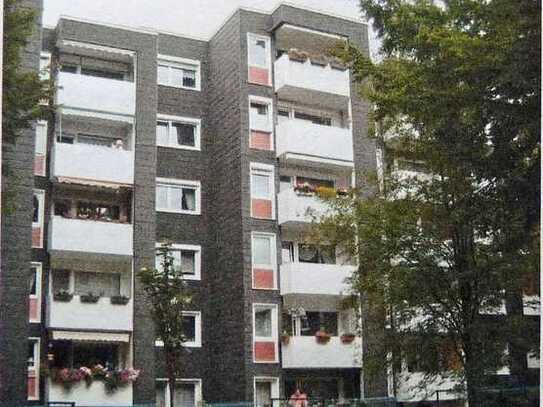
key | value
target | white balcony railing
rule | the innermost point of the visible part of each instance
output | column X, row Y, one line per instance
column 306, row 75
column 97, row 163
column 89, row 316
column 310, row 278
column 86, row 92
column 294, row 207
column 89, row 236
column 94, row 395
column 302, row 137
column 304, row 352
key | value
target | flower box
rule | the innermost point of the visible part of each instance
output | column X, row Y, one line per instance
column 322, row 337
column 285, row 339
column 63, row 296
column 119, row 300
column 89, row 298
column 347, row 338
column 296, row 55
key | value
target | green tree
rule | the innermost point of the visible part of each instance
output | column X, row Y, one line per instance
column 22, row 88
column 166, row 289
column 456, row 94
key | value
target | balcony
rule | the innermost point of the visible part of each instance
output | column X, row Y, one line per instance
column 98, row 163
column 305, row 82
column 303, row 352
column 298, row 209
column 307, row 143
column 310, row 278
column 100, row 316
column 91, row 93
column 89, row 237
column 94, row 395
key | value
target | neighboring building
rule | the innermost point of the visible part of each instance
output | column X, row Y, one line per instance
column 217, row 145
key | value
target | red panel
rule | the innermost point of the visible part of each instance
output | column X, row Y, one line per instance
column 33, row 309
column 39, row 165
column 260, row 140
column 264, row 351
column 262, row 208
column 36, row 237
column 259, row 76
column 32, row 385
column 263, row 278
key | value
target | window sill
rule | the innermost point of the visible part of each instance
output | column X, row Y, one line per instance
column 180, row 147
column 196, row 89
column 178, row 212
column 160, row 344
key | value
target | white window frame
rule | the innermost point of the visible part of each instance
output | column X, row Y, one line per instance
column 40, row 194
column 274, row 381
column 36, row 367
column 252, row 36
column 269, row 103
column 197, row 343
column 274, row 337
column 41, row 124
column 182, row 183
column 260, row 168
column 183, row 63
column 273, row 254
column 38, row 296
column 185, row 120
column 197, row 249
column 197, row 389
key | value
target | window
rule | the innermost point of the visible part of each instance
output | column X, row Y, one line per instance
column 178, row 196
column 97, row 211
column 309, row 253
column 178, row 132
column 61, row 280
column 323, row 121
column 188, row 393
column 262, row 191
column 37, row 218
column 91, row 354
column 45, row 66
column 41, row 137
column 263, row 323
column 266, row 389
column 316, row 321
column 34, row 300
column 265, row 333
column 264, row 260
column 260, row 114
column 33, row 364
column 178, row 72
column 259, row 51
column 100, row 73
column 186, row 258
column 192, row 329
column 314, row 183
column 103, row 284
column 66, row 138
column 33, row 353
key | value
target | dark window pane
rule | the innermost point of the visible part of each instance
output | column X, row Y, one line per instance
column 189, row 78
column 324, row 121
column 92, row 354
column 68, row 68
column 102, row 74
column 188, row 200
column 33, row 281
column 189, row 328
column 185, row 134
column 36, row 215
column 61, row 280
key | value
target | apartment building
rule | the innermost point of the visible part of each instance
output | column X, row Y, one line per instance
column 217, row 145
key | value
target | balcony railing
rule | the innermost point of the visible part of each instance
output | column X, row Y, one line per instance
column 305, row 75
column 310, row 278
column 89, row 236
column 305, row 352
column 315, row 141
column 84, row 92
column 92, row 162
column 102, row 315
column 299, row 208
column 95, row 394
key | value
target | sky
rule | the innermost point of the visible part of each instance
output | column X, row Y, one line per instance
column 197, row 18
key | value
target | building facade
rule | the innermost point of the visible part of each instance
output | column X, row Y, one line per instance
column 218, row 145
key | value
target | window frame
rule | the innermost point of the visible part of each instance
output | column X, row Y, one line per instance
column 196, row 185
column 273, row 238
column 274, row 381
column 40, row 194
column 197, row 389
column 197, row 343
column 274, row 338
column 36, row 368
column 171, row 61
column 262, row 169
column 41, row 124
column 183, row 120
column 270, row 128
column 267, row 65
column 38, row 267
column 197, row 259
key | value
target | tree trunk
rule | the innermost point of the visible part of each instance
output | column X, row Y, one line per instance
column 171, row 363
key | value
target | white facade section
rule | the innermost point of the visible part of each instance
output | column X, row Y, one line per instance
column 303, row 352
column 311, row 278
column 92, row 162
column 294, row 207
column 86, row 92
column 313, row 77
column 314, row 140
column 93, row 395
column 94, row 316
column 78, row 235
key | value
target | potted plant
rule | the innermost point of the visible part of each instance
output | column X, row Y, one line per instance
column 318, row 59
column 119, row 299
column 296, row 55
column 89, row 298
column 347, row 338
column 285, row 338
column 63, row 296
column 322, row 336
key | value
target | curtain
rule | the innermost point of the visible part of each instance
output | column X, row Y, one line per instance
column 262, row 250
column 263, row 323
column 188, row 201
